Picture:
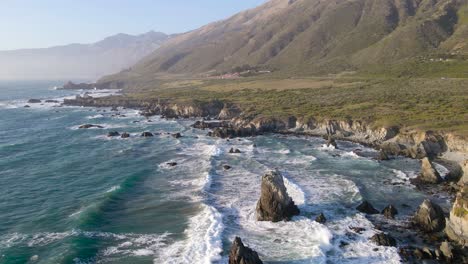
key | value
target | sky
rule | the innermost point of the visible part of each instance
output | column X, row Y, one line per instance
column 46, row 23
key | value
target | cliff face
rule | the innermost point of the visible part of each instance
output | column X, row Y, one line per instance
column 457, row 224
column 393, row 140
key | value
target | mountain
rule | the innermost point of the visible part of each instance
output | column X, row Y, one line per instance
column 315, row 36
column 79, row 61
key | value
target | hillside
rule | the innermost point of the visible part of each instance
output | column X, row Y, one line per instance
column 305, row 37
column 79, row 61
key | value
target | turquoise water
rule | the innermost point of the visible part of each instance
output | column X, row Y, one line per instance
column 69, row 195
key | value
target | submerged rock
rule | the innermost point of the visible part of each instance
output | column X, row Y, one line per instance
column 240, row 254
column 226, row 167
column 86, row 126
column 428, row 173
column 34, row 101
column 52, row 101
column 367, row 208
column 147, row 134
column 113, row 134
column 172, row 164
column 176, row 135
column 429, row 217
column 390, row 212
column 27, row 106
column 234, row 151
column 321, row 219
column 275, row 204
column 383, row 239
column 457, row 224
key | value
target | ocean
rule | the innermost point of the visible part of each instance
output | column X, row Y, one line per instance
column 70, row 195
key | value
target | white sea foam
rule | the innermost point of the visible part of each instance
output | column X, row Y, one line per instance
column 325, row 147
column 203, row 236
column 203, row 242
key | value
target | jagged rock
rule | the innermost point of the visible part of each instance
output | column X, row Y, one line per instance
column 113, row 134
column 447, row 251
column 125, row 135
column 382, row 156
column 274, row 203
column 86, row 126
column 390, row 212
column 332, row 142
column 176, row 135
column 240, row 254
column 464, row 179
column 147, row 134
column 236, row 151
column 457, row 224
column 226, row 167
column 428, row 173
column 34, row 101
column 367, row 208
column 321, row 219
column 383, row 239
column 429, row 217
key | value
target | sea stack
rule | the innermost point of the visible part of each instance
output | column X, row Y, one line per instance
column 275, row 204
column 241, row 254
column 428, row 173
column 429, row 217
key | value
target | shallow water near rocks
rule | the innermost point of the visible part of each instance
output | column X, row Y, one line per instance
column 70, row 195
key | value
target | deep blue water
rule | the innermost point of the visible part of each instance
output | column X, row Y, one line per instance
column 70, row 195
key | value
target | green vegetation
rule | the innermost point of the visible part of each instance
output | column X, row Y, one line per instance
column 423, row 103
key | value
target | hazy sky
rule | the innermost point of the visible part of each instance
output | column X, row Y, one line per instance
column 45, row 23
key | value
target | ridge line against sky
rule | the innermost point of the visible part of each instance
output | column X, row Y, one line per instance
column 27, row 24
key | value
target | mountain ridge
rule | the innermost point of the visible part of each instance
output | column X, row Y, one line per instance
column 79, row 61
column 314, row 37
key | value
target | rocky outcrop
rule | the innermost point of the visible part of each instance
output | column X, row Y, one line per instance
column 240, row 254
column 86, row 126
column 429, row 217
column 321, row 219
column 428, row 174
column 78, row 86
column 390, row 212
column 34, row 101
column 113, row 134
column 464, row 179
column 367, row 208
column 229, row 112
column 457, row 224
column 275, row 204
column 147, row 134
column 383, row 239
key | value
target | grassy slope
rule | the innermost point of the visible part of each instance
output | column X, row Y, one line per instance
column 423, row 103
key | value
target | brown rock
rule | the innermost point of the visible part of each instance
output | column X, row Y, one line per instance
column 275, row 204
column 240, row 254
column 457, row 224
column 390, row 212
column 367, row 208
column 428, row 173
column 429, row 217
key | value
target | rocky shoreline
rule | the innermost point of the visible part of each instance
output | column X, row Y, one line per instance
column 445, row 243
